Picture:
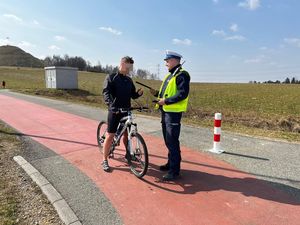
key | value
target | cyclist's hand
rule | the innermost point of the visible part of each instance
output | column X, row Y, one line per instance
column 140, row 91
column 113, row 109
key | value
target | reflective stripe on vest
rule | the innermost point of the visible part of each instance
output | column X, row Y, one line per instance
column 170, row 91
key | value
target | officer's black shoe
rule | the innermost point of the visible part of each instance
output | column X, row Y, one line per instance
column 165, row 167
column 170, row 177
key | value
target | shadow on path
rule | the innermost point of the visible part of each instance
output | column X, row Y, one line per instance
column 50, row 138
column 192, row 182
column 231, row 170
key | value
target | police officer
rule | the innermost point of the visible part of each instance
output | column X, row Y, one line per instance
column 172, row 101
column 118, row 89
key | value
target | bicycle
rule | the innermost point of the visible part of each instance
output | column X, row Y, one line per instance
column 136, row 149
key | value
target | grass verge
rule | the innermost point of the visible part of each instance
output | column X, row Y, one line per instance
column 265, row 110
column 275, row 127
column 21, row 200
column 8, row 201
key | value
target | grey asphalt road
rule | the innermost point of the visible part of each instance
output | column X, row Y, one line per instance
column 276, row 162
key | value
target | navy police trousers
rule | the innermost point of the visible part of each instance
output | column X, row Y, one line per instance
column 171, row 131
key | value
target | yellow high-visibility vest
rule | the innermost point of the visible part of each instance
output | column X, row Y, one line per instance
column 170, row 91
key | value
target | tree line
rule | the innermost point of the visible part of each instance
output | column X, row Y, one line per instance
column 287, row 80
column 84, row 65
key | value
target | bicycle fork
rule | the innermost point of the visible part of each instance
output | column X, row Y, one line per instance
column 132, row 129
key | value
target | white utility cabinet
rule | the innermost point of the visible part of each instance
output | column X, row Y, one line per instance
column 61, row 77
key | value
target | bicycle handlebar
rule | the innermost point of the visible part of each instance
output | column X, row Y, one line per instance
column 124, row 110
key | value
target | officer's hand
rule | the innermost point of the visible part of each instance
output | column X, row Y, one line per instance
column 161, row 101
column 140, row 92
column 153, row 91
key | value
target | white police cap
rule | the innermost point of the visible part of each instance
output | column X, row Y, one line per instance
column 171, row 54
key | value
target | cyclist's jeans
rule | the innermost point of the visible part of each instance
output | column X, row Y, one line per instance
column 171, row 132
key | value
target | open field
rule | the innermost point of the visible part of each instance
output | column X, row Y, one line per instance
column 267, row 110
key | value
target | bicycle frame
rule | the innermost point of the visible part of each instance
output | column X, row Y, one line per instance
column 128, row 126
column 136, row 148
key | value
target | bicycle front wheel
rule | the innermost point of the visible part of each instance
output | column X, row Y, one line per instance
column 139, row 159
column 101, row 134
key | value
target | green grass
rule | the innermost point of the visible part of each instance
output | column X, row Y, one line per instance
column 267, row 110
column 261, row 99
column 7, row 208
column 8, row 203
column 22, row 78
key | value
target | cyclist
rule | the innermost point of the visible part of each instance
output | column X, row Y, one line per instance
column 118, row 89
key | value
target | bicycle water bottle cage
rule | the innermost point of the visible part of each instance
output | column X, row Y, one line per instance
column 117, row 143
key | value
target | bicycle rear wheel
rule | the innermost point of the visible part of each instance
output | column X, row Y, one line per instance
column 101, row 134
column 139, row 160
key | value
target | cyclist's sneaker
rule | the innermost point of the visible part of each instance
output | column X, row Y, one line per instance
column 105, row 166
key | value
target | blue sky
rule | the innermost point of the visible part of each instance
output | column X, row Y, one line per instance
column 221, row 40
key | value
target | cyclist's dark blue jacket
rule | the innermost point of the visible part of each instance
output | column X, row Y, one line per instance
column 117, row 91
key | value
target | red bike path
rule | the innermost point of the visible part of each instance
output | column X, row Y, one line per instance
column 210, row 191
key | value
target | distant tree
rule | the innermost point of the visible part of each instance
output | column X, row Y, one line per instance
column 82, row 64
column 67, row 59
column 47, row 61
column 58, row 61
column 153, row 76
column 98, row 67
column 110, row 69
column 277, row 82
column 78, row 62
column 293, row 81
column 145, row 74
column 287, row 81
column 142, row 74
column 88, row 65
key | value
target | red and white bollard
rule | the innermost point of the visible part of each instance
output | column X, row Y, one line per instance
column 217, row 134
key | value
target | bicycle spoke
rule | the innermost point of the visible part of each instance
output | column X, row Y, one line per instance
column 101, row 134
column 139, row 159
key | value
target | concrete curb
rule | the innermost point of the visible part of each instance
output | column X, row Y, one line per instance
column 64, row 211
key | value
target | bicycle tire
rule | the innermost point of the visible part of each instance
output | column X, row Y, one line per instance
column 101, row 134
column 139, row 160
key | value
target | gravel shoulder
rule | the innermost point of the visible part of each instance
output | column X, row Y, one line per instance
column 21, row 200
